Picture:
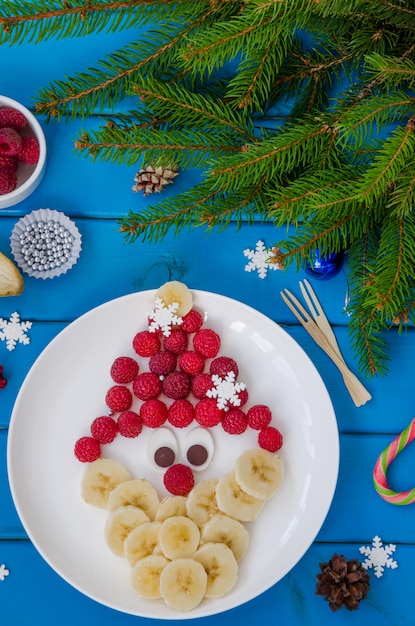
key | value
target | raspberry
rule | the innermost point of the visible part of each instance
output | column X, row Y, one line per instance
column 10, row 142
column 176, row 342
column 146, row 343
column 162, row 363
column 30, row 150
column 124, row 369
column 222, row 365
column 207, row 413
column 179, row 479
column 181, row 413
column 153, row 413
column 207, row 342
column 9, row 161
column 234, row 422
column 270, row 439
column 243, row 397
column 191, row 362
column 3, row 381
column 129, row 424
column 147, row 385
column 12, row 118
column 104, row 429
column 259, row 416
column 118, row 398
column 176, row 385
column 8, row 180
column 192, row 321
column 201, row 383
column 87, row 449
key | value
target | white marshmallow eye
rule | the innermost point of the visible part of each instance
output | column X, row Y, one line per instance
column 162, row 449
column 198, row 449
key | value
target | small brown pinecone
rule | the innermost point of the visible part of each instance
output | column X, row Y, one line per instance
column 342, row 582
column 153, row 179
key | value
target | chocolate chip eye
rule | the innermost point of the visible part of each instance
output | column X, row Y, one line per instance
column 199, row 448
column 164, row 456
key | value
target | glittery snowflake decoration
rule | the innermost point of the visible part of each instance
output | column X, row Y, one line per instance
column 226, row 390
column 163, row 317
column 378, row 556
column 3, row 572
column 260, row 259
column 13, row 331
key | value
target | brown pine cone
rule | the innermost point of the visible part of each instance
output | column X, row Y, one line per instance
column 153, row 178
column 342, row 582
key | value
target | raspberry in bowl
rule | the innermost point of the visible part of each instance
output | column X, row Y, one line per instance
column 22, row 152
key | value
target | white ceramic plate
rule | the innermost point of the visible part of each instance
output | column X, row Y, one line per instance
column 65, row 390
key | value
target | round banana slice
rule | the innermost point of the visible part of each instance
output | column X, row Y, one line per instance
column 235, row 502
column 175, row 291
column 11, row 280
column 178, row 537
column 227, row 530
column 120, row 523
column 141, row 541
column 138, row 492
column 145, row 576
column 183, row 584
column 171, row 506
column 100, row 478
column 259, row 473
column 201, row 502
column 221, row 568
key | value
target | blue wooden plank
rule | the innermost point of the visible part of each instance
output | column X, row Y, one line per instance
column 49, row 600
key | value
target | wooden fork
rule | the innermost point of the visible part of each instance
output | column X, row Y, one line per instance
column 320, row 330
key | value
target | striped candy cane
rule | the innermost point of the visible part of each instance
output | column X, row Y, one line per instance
column 383, row 462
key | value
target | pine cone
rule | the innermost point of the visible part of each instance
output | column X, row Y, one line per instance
column 153, row 179
column 342, row 582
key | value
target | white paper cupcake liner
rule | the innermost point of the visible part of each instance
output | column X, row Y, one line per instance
column 61, row 243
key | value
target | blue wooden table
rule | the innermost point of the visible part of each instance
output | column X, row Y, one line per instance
column 94, row 195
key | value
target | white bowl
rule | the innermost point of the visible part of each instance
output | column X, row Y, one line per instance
column 28, row 176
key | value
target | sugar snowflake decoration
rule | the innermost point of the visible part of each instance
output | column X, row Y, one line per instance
column 378, row 556
column 259, row 260
column 226, row 390
column 13, row 331
column 163, row 317
column 3, row 572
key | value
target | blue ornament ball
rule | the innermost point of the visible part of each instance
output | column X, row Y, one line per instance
column 325, row 266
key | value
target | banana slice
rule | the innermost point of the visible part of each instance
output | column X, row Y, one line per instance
column 119, row 525
column 227, row 530
column 235, row 502
column 100, row 478
column 201, row 502
column 171, row 506
column 145, row 576
column 259, row 473
column 178, row 537
column 221, row 568
column 141, row 541
column 183, row 584
column 138, row 492
column 175, row 291
column 11, row 280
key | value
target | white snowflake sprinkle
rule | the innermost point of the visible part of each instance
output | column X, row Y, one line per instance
column 13, row 331
column 163, row 317
column 3, row 572
column 378, row 556
column 226, row 390
column 259, row 259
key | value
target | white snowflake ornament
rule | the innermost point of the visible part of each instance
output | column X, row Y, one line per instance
column 378, row 556
column 13, row 331
column 259, row 260
column 226, row 390
column 3, row 572
column 163, row 317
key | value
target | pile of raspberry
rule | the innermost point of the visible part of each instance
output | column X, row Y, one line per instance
column 173, row 389
column 16, row 147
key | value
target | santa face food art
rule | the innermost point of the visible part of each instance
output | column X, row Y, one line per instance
column 180, row 528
